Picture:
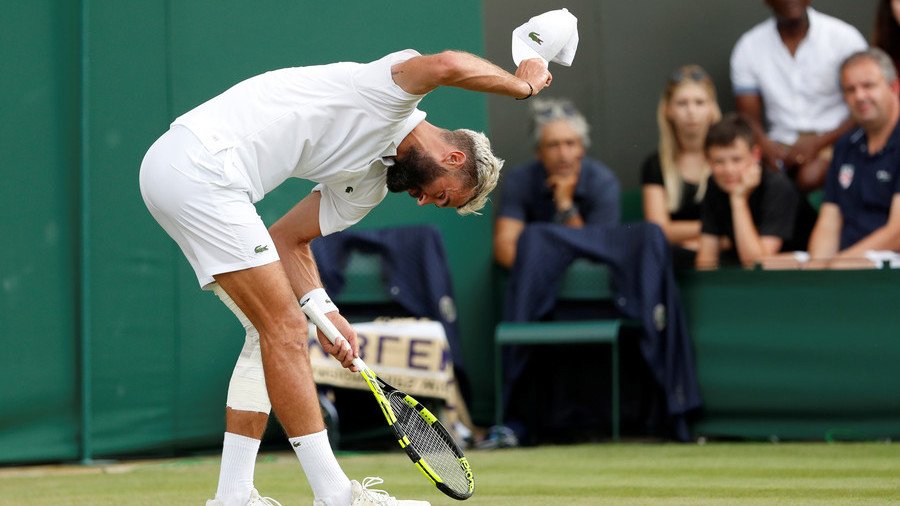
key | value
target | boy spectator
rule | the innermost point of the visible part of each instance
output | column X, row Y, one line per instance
column 747, row 212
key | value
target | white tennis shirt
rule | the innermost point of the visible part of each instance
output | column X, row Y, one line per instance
column 800, row 93
column 331, row 124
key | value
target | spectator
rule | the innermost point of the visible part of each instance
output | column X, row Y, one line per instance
column 673, row 179
column 861, row 207
column 784, row 69
column 560, row 186
column 747, row 212
column 887, row 29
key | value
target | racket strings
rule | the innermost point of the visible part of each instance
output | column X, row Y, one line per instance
column 431, row 445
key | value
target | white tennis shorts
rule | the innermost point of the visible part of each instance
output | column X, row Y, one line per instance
column 203, row 203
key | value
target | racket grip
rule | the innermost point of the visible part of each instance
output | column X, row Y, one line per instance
column 315, row 315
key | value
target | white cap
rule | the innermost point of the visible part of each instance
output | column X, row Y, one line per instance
column 551, row 36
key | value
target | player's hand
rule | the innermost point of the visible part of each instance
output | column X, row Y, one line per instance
column 345, row 350
column 535, row 72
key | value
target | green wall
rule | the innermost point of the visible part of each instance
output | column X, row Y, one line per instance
column 786, row 355
column 90, row 85
column 39, row 225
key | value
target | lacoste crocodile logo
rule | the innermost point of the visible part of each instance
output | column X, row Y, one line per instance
column 535, row 37
column 261, row 248
column 349, row 189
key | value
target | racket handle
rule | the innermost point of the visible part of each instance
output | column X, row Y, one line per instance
column 315, row 315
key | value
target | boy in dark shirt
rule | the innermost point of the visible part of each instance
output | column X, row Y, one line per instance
column 748, row 213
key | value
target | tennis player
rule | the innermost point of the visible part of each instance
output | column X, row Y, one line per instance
column 356, row 131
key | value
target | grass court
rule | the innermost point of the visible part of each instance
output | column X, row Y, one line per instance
column 596, row 474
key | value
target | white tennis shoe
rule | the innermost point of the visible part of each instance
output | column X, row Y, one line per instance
column 255, row 500
column 362, row 495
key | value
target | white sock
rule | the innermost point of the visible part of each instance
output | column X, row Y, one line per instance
column 238, row 463
column 325, row 476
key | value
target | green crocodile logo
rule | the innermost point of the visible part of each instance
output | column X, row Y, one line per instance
column 535, row 37
column 261, row 248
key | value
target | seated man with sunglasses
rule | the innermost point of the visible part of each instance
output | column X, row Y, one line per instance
column 560, row 186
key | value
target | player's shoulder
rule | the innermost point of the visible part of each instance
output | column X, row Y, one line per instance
column 397, row 57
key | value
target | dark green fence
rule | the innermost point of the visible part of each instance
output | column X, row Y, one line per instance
column 797, row 354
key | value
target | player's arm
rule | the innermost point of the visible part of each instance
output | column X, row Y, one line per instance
column 886, row 237
column 422, row 74
column 826, row 235
column 506, row 235
column 293, row 233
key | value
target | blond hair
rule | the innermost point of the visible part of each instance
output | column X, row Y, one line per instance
column 668, row 143
column 481, row 170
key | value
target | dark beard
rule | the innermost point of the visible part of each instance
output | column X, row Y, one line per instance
column 415, row 171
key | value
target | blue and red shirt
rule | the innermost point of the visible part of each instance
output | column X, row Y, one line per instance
column 863, row 184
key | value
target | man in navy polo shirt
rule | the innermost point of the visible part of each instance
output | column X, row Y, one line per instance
column 861, row 208
column 561, row 186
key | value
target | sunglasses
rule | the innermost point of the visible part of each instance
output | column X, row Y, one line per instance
column 564, row 110
column 694, row 75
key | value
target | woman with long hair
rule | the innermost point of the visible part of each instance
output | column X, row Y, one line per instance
column 673, row 179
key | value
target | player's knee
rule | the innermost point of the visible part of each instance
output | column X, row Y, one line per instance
column 288, row 335
column 247, row 389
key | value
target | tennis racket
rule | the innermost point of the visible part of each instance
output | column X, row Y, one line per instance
column 418, row 432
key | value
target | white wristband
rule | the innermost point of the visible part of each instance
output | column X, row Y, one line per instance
column 322, row 300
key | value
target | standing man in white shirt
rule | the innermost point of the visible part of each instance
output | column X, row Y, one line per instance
column 356, row 131
column 785, row 74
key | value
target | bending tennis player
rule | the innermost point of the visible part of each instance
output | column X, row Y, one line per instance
column 356, row 131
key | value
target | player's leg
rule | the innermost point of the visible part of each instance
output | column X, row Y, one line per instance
column 264, row 295
column 246, row 415
column 189, row 194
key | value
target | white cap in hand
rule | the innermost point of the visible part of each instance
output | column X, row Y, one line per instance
column 551, row 36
